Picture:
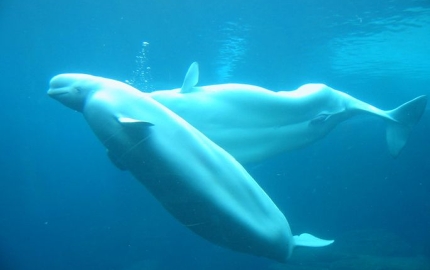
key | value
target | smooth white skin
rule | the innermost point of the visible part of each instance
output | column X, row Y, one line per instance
column 253, row 123
column 195, row 180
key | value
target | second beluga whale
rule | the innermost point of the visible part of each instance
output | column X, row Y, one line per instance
column 198, row 182
column 253, row 123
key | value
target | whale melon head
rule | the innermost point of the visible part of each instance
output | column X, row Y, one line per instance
column 72, row 89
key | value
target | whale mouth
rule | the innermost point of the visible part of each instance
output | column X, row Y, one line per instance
column 57, row 92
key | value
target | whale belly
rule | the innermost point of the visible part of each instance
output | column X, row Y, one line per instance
column 199, row 183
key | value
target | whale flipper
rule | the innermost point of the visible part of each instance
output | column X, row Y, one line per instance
column 191, row 78
column 136, row 127
column 308, row 240
column 405, row 117
column 132, row 121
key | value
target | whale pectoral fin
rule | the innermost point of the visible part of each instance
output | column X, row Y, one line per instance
column 308, row 240
column 116, row 161
column 127, row 121
column 403, row 119
column 320, row 118
column 191, row 79
column 135, row 127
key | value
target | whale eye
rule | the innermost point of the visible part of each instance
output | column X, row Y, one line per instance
column 78, row 90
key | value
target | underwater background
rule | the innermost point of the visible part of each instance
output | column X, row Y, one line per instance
column 63, row 205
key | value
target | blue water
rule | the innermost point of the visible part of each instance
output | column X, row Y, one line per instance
column 63, row 205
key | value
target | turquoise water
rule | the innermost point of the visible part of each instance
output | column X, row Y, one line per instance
column 64, row 206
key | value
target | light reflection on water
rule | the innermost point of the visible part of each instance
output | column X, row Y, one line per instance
column 387, row 46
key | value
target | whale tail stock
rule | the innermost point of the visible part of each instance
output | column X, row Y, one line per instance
column 403, row 119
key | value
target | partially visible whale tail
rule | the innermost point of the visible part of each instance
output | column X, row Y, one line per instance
column 308, row 240
column 403, row 119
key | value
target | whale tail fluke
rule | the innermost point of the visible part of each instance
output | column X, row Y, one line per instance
column 404, row 119
column 308, row 240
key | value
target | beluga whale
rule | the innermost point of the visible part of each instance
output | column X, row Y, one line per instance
column 198, row 182
column 253, row 123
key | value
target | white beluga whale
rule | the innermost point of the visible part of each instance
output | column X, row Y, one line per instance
column 198, row 182
column 253, row 123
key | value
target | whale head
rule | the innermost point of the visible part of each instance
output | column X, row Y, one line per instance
column 73, row 89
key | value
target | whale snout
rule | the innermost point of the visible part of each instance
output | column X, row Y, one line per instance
column 59, row 85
